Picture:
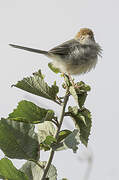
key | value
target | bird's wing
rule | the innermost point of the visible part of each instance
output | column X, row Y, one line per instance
column 63, row 49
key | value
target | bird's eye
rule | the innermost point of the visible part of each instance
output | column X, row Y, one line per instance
column 91, row 35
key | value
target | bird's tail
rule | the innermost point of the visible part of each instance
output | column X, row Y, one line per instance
column 29, row 49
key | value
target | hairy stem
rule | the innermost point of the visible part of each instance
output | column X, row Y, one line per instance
column 56, row 136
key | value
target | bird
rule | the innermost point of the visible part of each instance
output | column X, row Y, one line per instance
column 76, row 56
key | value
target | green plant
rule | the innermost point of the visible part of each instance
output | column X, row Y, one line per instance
column 19, row 140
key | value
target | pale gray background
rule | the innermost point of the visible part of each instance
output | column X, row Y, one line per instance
column 44, row 24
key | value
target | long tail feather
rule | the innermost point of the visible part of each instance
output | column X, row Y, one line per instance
column 29, row 49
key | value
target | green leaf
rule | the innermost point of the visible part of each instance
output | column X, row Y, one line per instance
column 18, row 140
column 28, row 112
column 42, row 76
column 8, row 171
column 36, row 85
column 67, row 80
column 55, row 88
column 70, row 142
column 27, row 169
column 44, row 147
column 73, row 110
column 83, row 87
column 47, row 144
column 82, row 120
column 45, row 130
column 63, row 134
column 36, row 172
column 55, row 70
column 79, row 92
column 49, row 140
column 80, row 97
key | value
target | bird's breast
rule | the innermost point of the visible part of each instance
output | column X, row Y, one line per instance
column 79, row 60
column 73, row 68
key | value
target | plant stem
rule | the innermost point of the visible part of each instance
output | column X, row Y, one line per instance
column 62, row 113
column 56, row 136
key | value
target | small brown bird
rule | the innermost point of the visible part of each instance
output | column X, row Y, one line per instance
column 76, row 56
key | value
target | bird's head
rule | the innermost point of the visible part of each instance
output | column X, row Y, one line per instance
column 85, row 36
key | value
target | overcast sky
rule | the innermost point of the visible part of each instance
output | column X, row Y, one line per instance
column 45, row 24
